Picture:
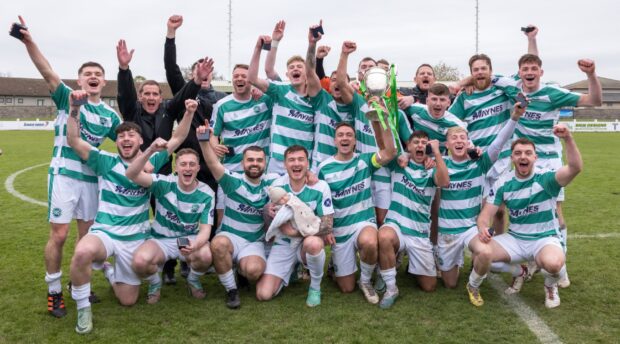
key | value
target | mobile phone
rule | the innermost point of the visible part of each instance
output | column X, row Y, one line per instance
column 527, row 29
column 316, row 31
column 80, row 101
column 231, row 151
column 429, row 149
column 266, row 46
column 182, row 242
column 473, row 153
column 204, row 136
column 491, row 231
column 520, row 98
column 15, row 31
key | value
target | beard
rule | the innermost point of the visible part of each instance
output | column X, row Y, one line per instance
column 482, row 84
column 252, row 173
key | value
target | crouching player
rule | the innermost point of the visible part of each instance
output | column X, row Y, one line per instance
column 460, row 204
column 408, row 221
column 184, row 210
column 122, row 221
column 530, row 196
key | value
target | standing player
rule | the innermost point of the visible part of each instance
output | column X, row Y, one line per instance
column 530, row 196
column 288, row 248
column 122, row 220
column 72, row 185
column 407, row 224
column 348, row 174
column 293, row 117
column 240, row 238
column 184, row 209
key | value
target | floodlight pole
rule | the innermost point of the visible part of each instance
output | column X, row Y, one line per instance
column 476, row 26
column 229, row 37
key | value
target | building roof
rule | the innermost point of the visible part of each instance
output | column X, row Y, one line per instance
column 606, row 83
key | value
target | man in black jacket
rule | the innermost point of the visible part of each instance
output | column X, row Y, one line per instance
column 147, row 108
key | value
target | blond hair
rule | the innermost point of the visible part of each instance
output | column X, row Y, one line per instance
column 455, row 130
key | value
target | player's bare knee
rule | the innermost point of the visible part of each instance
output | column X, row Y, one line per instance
column 313, row 245
column 127, row 300
column 59, row 233
column 263, row 294
column 219, row 246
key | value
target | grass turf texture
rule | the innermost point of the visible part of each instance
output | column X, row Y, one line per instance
column 588, row 312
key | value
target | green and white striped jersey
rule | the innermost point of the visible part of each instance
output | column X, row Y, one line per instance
column 179, row 213
column 318, row 197
column 436, row 128
column 327, row 114
column 531, row 204
column 241, row 124
column 413, row 188
column 292, row 121
column 485, row 113
column 349, row 182
column 243, row 206
column 123, row 211
column 461, row 200
column 542, row 113
column 97, row 121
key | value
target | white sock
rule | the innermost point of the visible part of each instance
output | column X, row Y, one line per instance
column 552, row 279
column 367, row 270
column 564, row 237
column 154, row 279
column 389, row 277
column 228, row 280
column 53, row 282
column 514, row 269
column 315, row 265
column 80, row 294
column 194, row 275
column 475, row 280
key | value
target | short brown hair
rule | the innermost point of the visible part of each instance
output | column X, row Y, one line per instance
column 295, row 58
column 344, row 124
column 384, row 61
column 147, row 83
column 439, row 89
column 522, row 141
column 530, row 58
column 367, row 58
column 421, row 134
column 128, row 126
column 185, row 151
column 90, row 64
column 241, row 65
column 295, row 148
column 482, row 57
column 253, row 148
column 424, row 65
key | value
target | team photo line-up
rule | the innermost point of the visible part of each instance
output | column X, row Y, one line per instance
column 284, row 169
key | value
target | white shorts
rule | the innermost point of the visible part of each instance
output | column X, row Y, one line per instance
column 451, row 247
column 243, row 248
column 123, row 255
column 170, row 247
column 282, row 260
column 344, row 253
column 70, row 198
column 381, row 194
column 419, row 250
column 553, row 164
column 525, row 250
column 219, row 200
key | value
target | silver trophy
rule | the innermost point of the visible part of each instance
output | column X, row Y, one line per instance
column 376, row 81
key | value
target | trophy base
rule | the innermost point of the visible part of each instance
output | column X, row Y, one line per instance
column 372, row 116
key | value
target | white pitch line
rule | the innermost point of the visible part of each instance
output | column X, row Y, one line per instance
column 8, row 185
column 538, row 327
column 594, row 236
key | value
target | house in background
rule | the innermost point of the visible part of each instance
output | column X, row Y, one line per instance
column 610, row 109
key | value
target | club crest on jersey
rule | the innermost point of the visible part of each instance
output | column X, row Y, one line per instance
column 195, row 208
column 327, row 202
column 103, row 120
column 256, row 108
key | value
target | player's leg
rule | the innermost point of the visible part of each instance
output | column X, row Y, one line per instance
column 280, row 266
column 481, row 257
column 551, row 259
column 368, row 249
column 199, row 262
column 223, row 251
column 313, row 256
column 147, row 260
column 389, row 246
column 344, row 258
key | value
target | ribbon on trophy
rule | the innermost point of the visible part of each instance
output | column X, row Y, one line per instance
column 376, row 83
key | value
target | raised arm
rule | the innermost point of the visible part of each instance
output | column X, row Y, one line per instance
column 261, row 84
column 177, row 104
column 43, row 66
column 174, row 76
column 270, row 61
column 346, row 90
column 213, row 162
column 441, row 177
column 312, row 79
column 505, row 133
column 567, row 173
column 321, row 52
column 180, row 133
column 126, row 90
column 532, row 46
column 81, row 147
column 594, row 97
column 388, row 152
column 135, row 170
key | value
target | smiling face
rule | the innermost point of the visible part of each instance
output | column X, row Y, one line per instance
column 530, row 74
column 364, row 65
column 481, row 74
column 128, row 144
column 91, row 79
column 437, row 104
column 416, row 146
column 344, row 140
column 424, row 77
column 241, row 86
column 296, row 72
column 254, row 163
column 523, row 157
column 150, row 98
column 296, row 164
column 333, row 88
column 457, row 142
column 187, row 167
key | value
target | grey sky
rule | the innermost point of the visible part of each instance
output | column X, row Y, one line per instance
column 407, row 33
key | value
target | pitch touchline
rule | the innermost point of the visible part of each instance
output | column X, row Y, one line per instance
column 8, row 185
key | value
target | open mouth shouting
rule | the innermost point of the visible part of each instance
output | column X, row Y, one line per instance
column 187, row 177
